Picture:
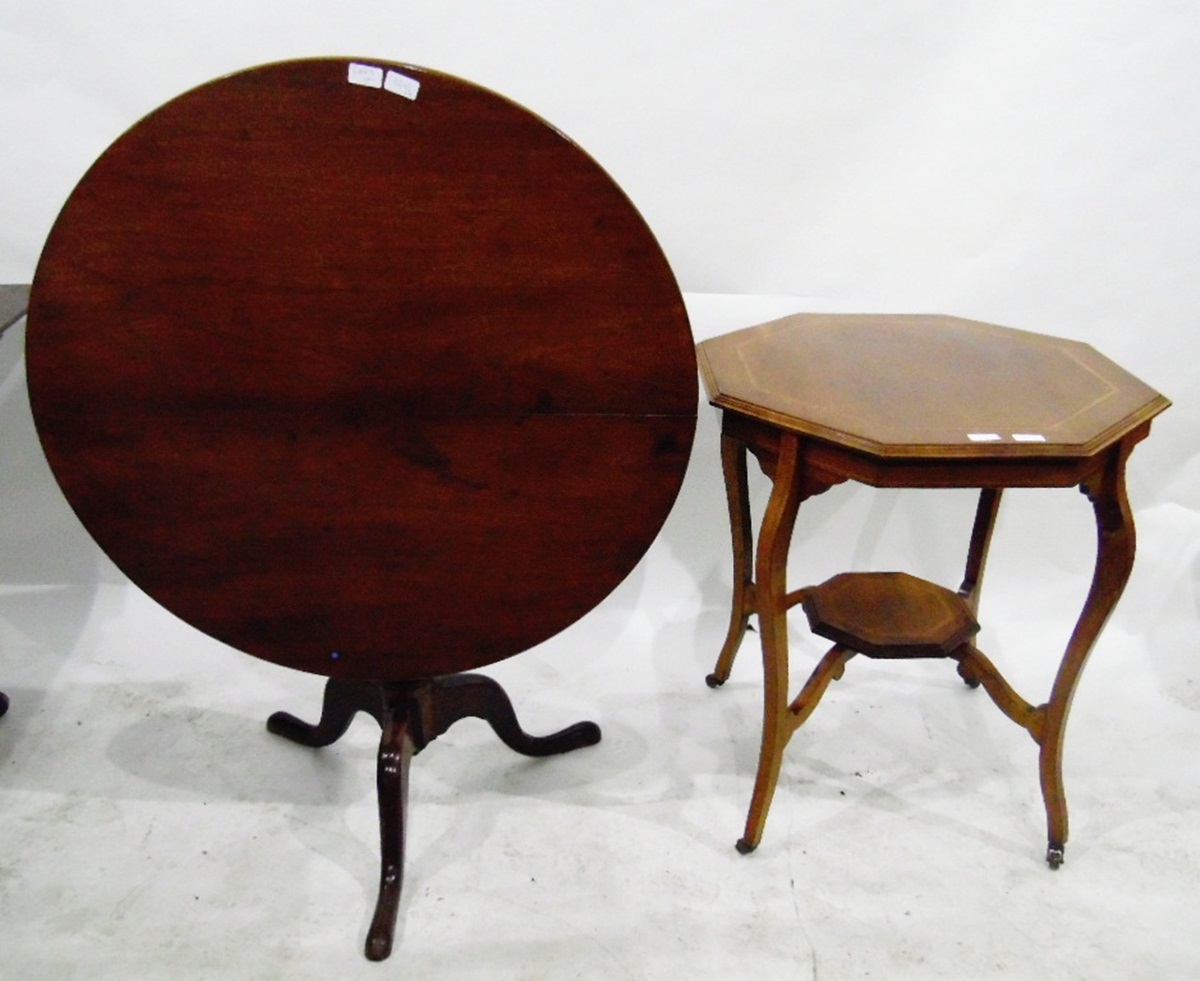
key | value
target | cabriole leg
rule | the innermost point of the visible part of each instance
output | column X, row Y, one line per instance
column 733, row 464
column 771, row 578
column 411, row 715
column 1114, row 561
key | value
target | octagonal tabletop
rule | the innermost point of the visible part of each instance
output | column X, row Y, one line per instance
column 898, row 385
column 361, row 368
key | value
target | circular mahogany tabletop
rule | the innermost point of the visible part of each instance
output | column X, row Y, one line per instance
column 361, row 369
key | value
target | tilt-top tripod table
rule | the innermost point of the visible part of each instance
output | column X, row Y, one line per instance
column 367, row 371
column 914, row 401
column 13, row 302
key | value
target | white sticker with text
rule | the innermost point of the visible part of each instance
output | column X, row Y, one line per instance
column 401, row 85
column 368, row 75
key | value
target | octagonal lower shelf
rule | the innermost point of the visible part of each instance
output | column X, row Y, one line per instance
column 889, row 615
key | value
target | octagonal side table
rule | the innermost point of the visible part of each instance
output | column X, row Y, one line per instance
column 920, row 402
column 14, row 299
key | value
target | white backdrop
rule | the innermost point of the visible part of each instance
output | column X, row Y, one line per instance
column 1025, row 162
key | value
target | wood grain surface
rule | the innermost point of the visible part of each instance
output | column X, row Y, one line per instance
column 927, row 386
column 372, row 386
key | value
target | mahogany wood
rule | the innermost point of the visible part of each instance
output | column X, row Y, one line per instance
column 411, row 715
column 13, row 302
column 808, row 373
column 889, row 614
column 915, row 401
column 371, row 387
column 364, row 370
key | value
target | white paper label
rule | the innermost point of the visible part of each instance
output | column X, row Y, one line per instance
column 368, row 75
column 401, row 85
column 984, row 437
column 1029, row 437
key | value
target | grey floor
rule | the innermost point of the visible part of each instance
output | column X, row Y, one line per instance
column 151, row 827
